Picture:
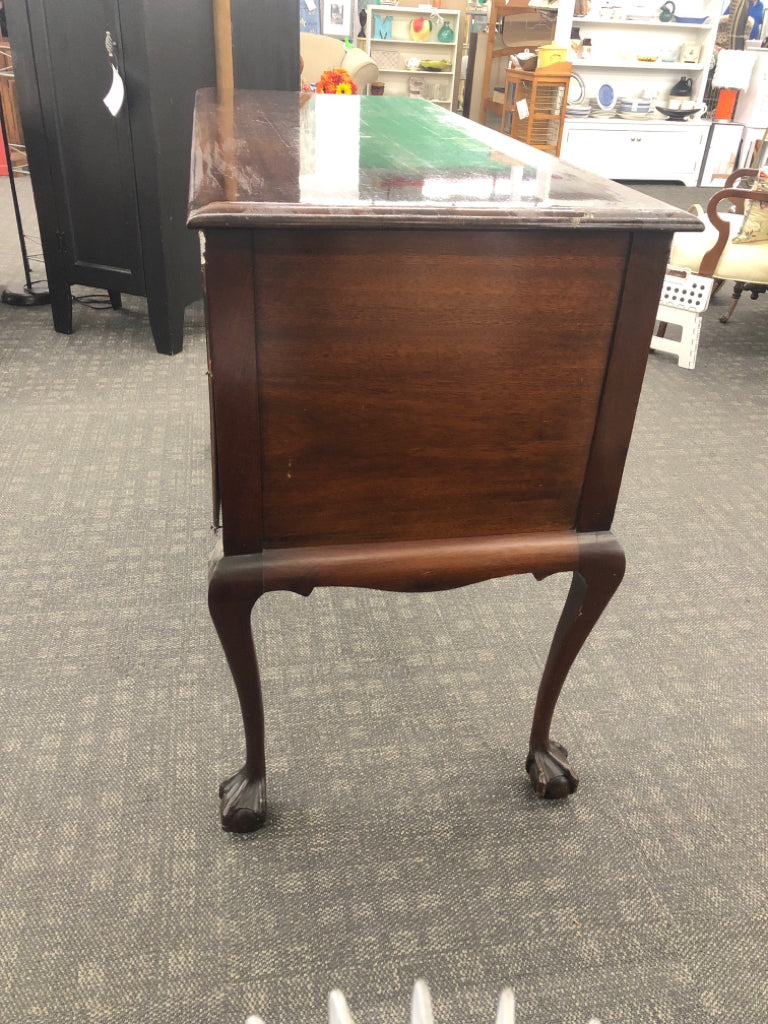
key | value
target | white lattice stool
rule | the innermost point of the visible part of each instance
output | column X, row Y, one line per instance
column 421, row 1008
column 684, row 297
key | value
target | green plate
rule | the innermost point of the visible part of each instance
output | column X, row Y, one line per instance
column 435, row 65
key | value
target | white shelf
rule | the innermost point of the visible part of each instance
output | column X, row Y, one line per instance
column 626, row 23
column 616, row 44
column 655, row 121
column 417, row 71
column 634, row 65
column 657, row 148
column 408, row 42
column 396, row 78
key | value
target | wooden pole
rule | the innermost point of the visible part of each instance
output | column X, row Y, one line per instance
column 222, row 35
column 756, row 159
column 225, row 86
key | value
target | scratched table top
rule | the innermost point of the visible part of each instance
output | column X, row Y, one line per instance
column 272, row 158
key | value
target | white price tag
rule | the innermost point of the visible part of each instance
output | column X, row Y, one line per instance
column 311, row 6
column 114, row 98
column 522, row 109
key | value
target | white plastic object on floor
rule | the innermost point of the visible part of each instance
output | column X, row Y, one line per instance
column 506, row 1011
column 421, row 1008
column 684, row 297
column 338, row 1011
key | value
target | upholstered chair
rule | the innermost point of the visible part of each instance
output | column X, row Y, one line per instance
column 734, row 244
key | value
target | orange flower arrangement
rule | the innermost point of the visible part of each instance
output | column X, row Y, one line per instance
column 336, row 80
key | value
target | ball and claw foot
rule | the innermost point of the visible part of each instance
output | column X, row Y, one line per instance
column 243, row 803
column 551, row 776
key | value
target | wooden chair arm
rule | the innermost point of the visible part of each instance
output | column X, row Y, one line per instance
column 742, row 172
column 710, row 259
column 737, row 175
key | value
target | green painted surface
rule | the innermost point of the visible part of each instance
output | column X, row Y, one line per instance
column 401, row 133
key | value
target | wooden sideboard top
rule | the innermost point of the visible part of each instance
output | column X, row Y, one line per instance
column 279, row 159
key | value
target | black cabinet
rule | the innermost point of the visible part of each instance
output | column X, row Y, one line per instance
column 111, row 191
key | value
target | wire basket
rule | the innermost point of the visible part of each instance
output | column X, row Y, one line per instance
column 387, row 60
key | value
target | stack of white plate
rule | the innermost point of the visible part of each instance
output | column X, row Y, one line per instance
column 578, row 111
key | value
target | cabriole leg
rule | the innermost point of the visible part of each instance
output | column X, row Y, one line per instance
column 600, row 571
column 232, row 594
column 738, row 288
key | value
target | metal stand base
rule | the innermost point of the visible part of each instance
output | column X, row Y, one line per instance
column 35, row 294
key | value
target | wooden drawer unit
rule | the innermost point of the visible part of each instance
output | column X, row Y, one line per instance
column 471, row 422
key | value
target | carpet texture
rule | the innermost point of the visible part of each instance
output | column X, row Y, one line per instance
column 404, row 840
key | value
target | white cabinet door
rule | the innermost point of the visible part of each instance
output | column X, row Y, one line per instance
column 635, row 151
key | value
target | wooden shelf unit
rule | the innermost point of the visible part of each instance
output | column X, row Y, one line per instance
column 497, row 57
column 534, row 106
column 392, row 52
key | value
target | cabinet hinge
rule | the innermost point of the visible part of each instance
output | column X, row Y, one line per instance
column 61, row 243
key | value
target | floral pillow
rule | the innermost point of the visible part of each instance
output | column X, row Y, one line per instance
column 754, row 227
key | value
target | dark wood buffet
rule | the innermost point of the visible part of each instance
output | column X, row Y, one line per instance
column 426, row 348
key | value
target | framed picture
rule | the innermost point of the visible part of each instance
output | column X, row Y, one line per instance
column 309, row 16
column 690, row 53
column 337, row 17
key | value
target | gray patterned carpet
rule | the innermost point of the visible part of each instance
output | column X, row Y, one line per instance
column 404, row 840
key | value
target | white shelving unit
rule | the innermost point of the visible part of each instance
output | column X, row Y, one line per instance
column 656, row 148
column 391, row 53
column 618, row 44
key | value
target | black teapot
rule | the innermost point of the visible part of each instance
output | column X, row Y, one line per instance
column 667, row 12
column 683, row 88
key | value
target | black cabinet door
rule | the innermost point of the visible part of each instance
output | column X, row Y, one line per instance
column 111, row 192
column 89, row 150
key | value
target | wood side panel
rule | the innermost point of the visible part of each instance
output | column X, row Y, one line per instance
column 646, row 267
column 234, row 385
column 417, row 386
column 215, row 488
